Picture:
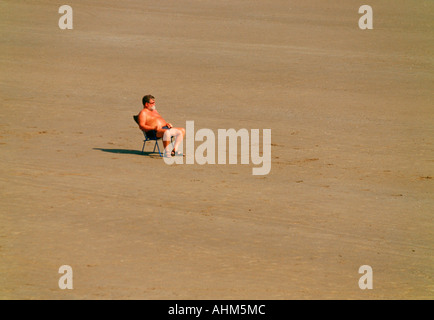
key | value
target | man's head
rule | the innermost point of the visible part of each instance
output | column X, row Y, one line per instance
column 149, row 102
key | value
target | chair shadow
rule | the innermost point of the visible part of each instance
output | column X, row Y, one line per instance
column 128, row 151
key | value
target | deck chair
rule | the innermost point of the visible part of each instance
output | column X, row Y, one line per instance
column 149, row 138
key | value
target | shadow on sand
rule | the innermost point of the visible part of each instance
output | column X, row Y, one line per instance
column 127, row 151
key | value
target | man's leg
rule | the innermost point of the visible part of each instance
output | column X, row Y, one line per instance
column 167, row 137
column 182, row 130
column 165, row 143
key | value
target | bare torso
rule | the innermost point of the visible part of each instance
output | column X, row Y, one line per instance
column 151, row 119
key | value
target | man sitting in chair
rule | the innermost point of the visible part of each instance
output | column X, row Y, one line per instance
column 155, row 126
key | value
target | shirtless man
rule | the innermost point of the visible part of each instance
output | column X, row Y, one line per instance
column 154, row 125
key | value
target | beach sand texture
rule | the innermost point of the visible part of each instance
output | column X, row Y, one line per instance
column 351, row 115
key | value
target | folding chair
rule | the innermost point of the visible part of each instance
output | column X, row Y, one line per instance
column 150, row 138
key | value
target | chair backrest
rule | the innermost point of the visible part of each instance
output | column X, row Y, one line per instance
column 136, row 118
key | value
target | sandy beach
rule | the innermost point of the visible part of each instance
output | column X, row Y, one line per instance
column 351, row 115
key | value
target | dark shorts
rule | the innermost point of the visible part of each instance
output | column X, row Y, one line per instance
column 152, row 134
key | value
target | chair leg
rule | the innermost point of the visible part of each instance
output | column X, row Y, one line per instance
column 156, row 144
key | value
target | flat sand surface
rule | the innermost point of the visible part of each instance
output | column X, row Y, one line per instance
column 351, row 183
